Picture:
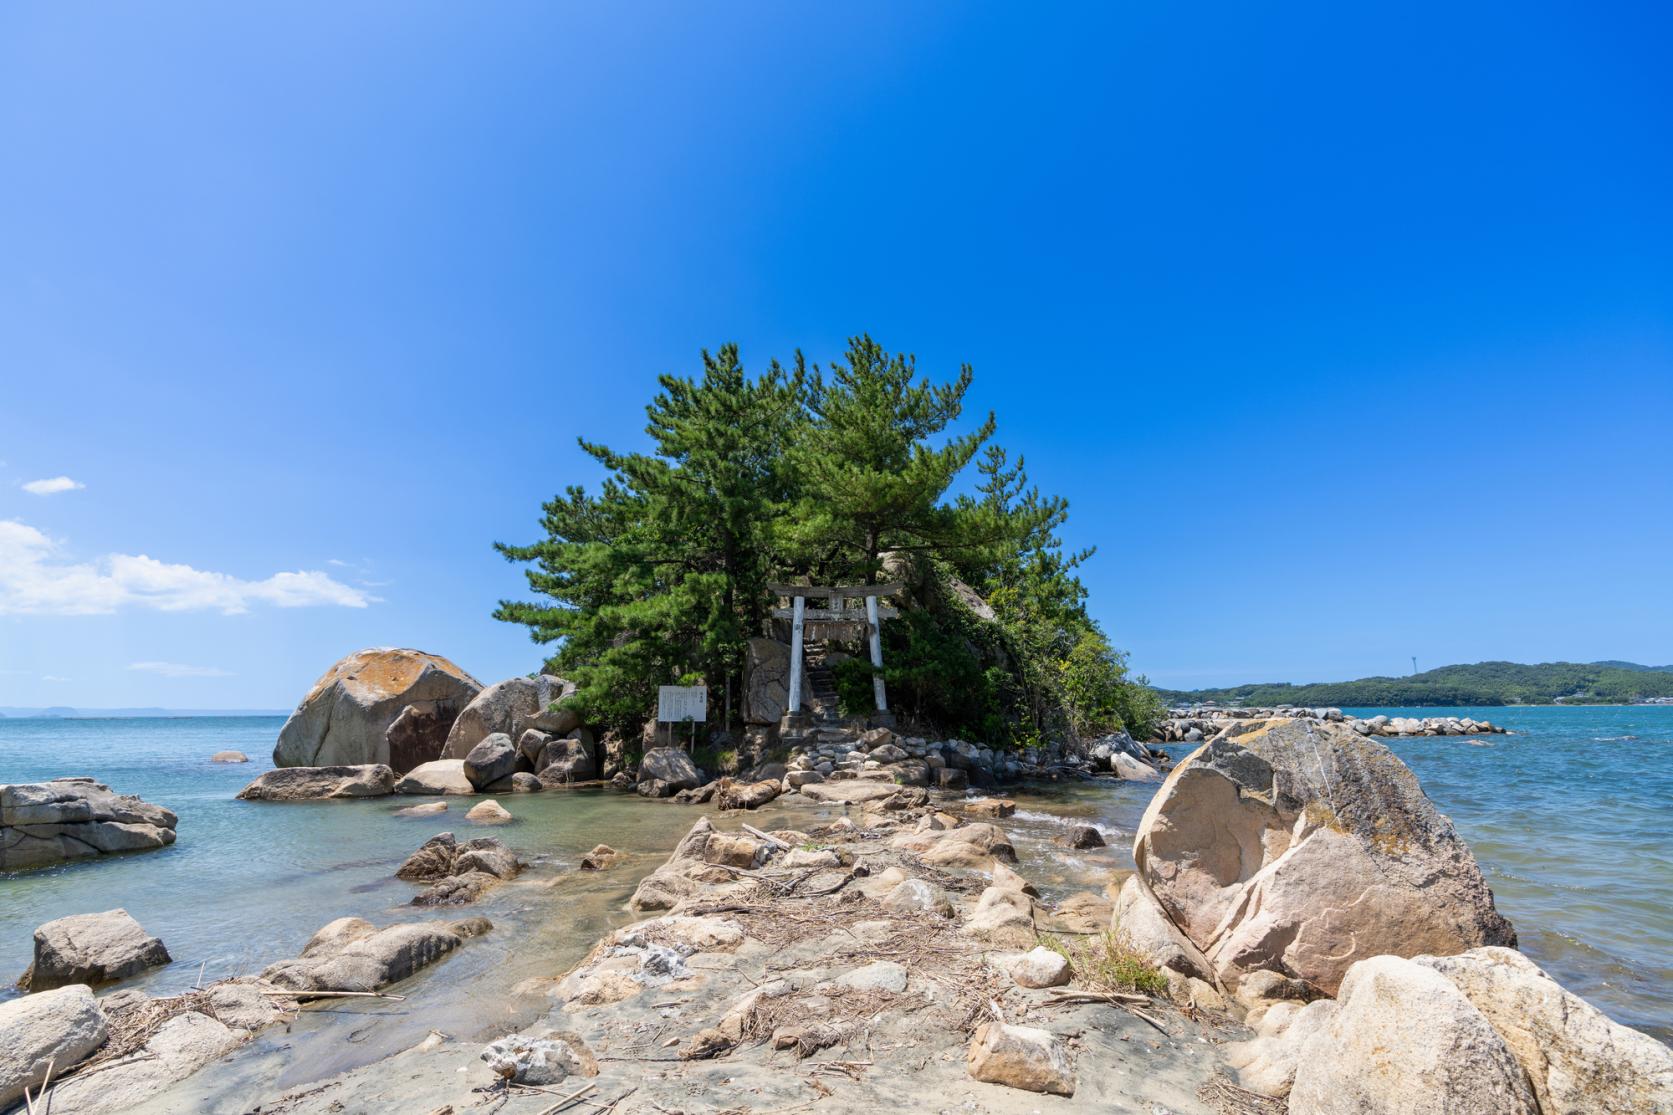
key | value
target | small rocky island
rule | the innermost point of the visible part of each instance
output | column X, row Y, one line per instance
column 47, row 823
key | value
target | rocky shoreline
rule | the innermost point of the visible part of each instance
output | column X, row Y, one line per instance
column 1194, row 725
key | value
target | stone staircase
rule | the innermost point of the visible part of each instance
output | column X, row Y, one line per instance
column 820, row 682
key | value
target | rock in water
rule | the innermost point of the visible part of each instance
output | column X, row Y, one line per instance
column 312, row 783
column 488, row 812
column 512, row 707
column 346, row 717
column 1302, row 846
column 43, row 823
column 351, row 954
column 229, row 757
column 1404, row 1041
column 670, row 769
column 1020, row 1057
column 440, row 776
column 1085, row 836
column 428, row 809
column 491, row 760
column 91, row 949
column 58, row 1028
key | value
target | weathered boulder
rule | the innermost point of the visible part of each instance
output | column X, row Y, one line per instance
column 1133, row 770
column 1020, row 1057
column 1041, row 967
column 43, row 823
column 536, row 1061
column 745, row 795
column 1403, row 1040
column 1301, row 846
column 766, row 681
column 670, row 767
column 345, row 718
column 433, row 860
column 915, row 896
column 428, row 809
column 419, row 733
column 442, row 776
column 351, row 954
column 181, row 1046
column 1576, row 1058
column 494, row 758
column 59, row 1028
column 567, row 760
column 313, row 783
column 91, row 949
column 229, row 757
column 1002, row 915
column 520, row 783
column 529, row 746
column 1142, row 925
column 488, row 812
column 1085, row 836
column 512, row 707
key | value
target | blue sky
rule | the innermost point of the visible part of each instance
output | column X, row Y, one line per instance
column 1349, row 335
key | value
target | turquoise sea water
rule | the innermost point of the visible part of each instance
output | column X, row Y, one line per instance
column 1569, row 817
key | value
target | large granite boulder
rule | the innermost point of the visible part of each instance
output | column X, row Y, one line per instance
column 512, row 707
column 570, row 759
column 766, row 681
column 1403, row 1040
column 494, row 758
column 352, row 954
column 1301, row 846
column 91, row 949
column 346, row 717
column 43, row 823
column 58, row 1028
column 373, row 780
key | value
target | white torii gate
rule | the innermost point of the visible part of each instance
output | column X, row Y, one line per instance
column 836, row 611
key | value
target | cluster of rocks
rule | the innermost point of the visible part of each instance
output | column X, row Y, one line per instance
column 458, row 872
column 906, row 933
column 1197, row 725
column 406, row 709
column 45, row 823
column 1292, row 861
column 62, row 1049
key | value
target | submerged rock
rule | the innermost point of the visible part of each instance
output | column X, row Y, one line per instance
column 229, row 757
column 314, row 783
column 91, row 949
column 351, row 954
column 345, row 718
column 1302, row 846
column 489, row 812
column 58, row 1028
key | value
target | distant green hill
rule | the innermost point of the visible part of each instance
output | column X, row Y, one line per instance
column 1484, row 683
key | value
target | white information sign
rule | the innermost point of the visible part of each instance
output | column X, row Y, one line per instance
column 676, row 703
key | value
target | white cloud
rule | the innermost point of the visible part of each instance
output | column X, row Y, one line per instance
column 178, row 670
column 54, row 677
column 53, row 486
column 34, row 582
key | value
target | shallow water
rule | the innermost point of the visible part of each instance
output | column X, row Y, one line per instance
column 1567, row 819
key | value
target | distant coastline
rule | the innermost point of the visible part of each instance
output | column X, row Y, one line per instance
column 63, row 712
column 1479, row 684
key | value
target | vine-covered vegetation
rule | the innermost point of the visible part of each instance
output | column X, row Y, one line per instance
column 837, row 475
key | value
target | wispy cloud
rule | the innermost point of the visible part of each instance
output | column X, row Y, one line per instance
column 179, row 670
column 33, row 581
column 53, row 486
column 54, row 677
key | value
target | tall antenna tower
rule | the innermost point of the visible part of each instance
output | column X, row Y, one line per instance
column 1414, row 665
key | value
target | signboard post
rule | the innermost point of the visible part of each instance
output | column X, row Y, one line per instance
column 677, row 703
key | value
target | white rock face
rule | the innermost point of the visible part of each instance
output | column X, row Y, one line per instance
column 1041, row 967
column 1577, row 1058
column 1020, row 1057
column 1302, row 846
column 1403, row 1040
column 345, row 717
column 61, row 1027
column 183, row 1045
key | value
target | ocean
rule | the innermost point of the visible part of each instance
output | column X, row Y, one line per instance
column 1569, row 818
